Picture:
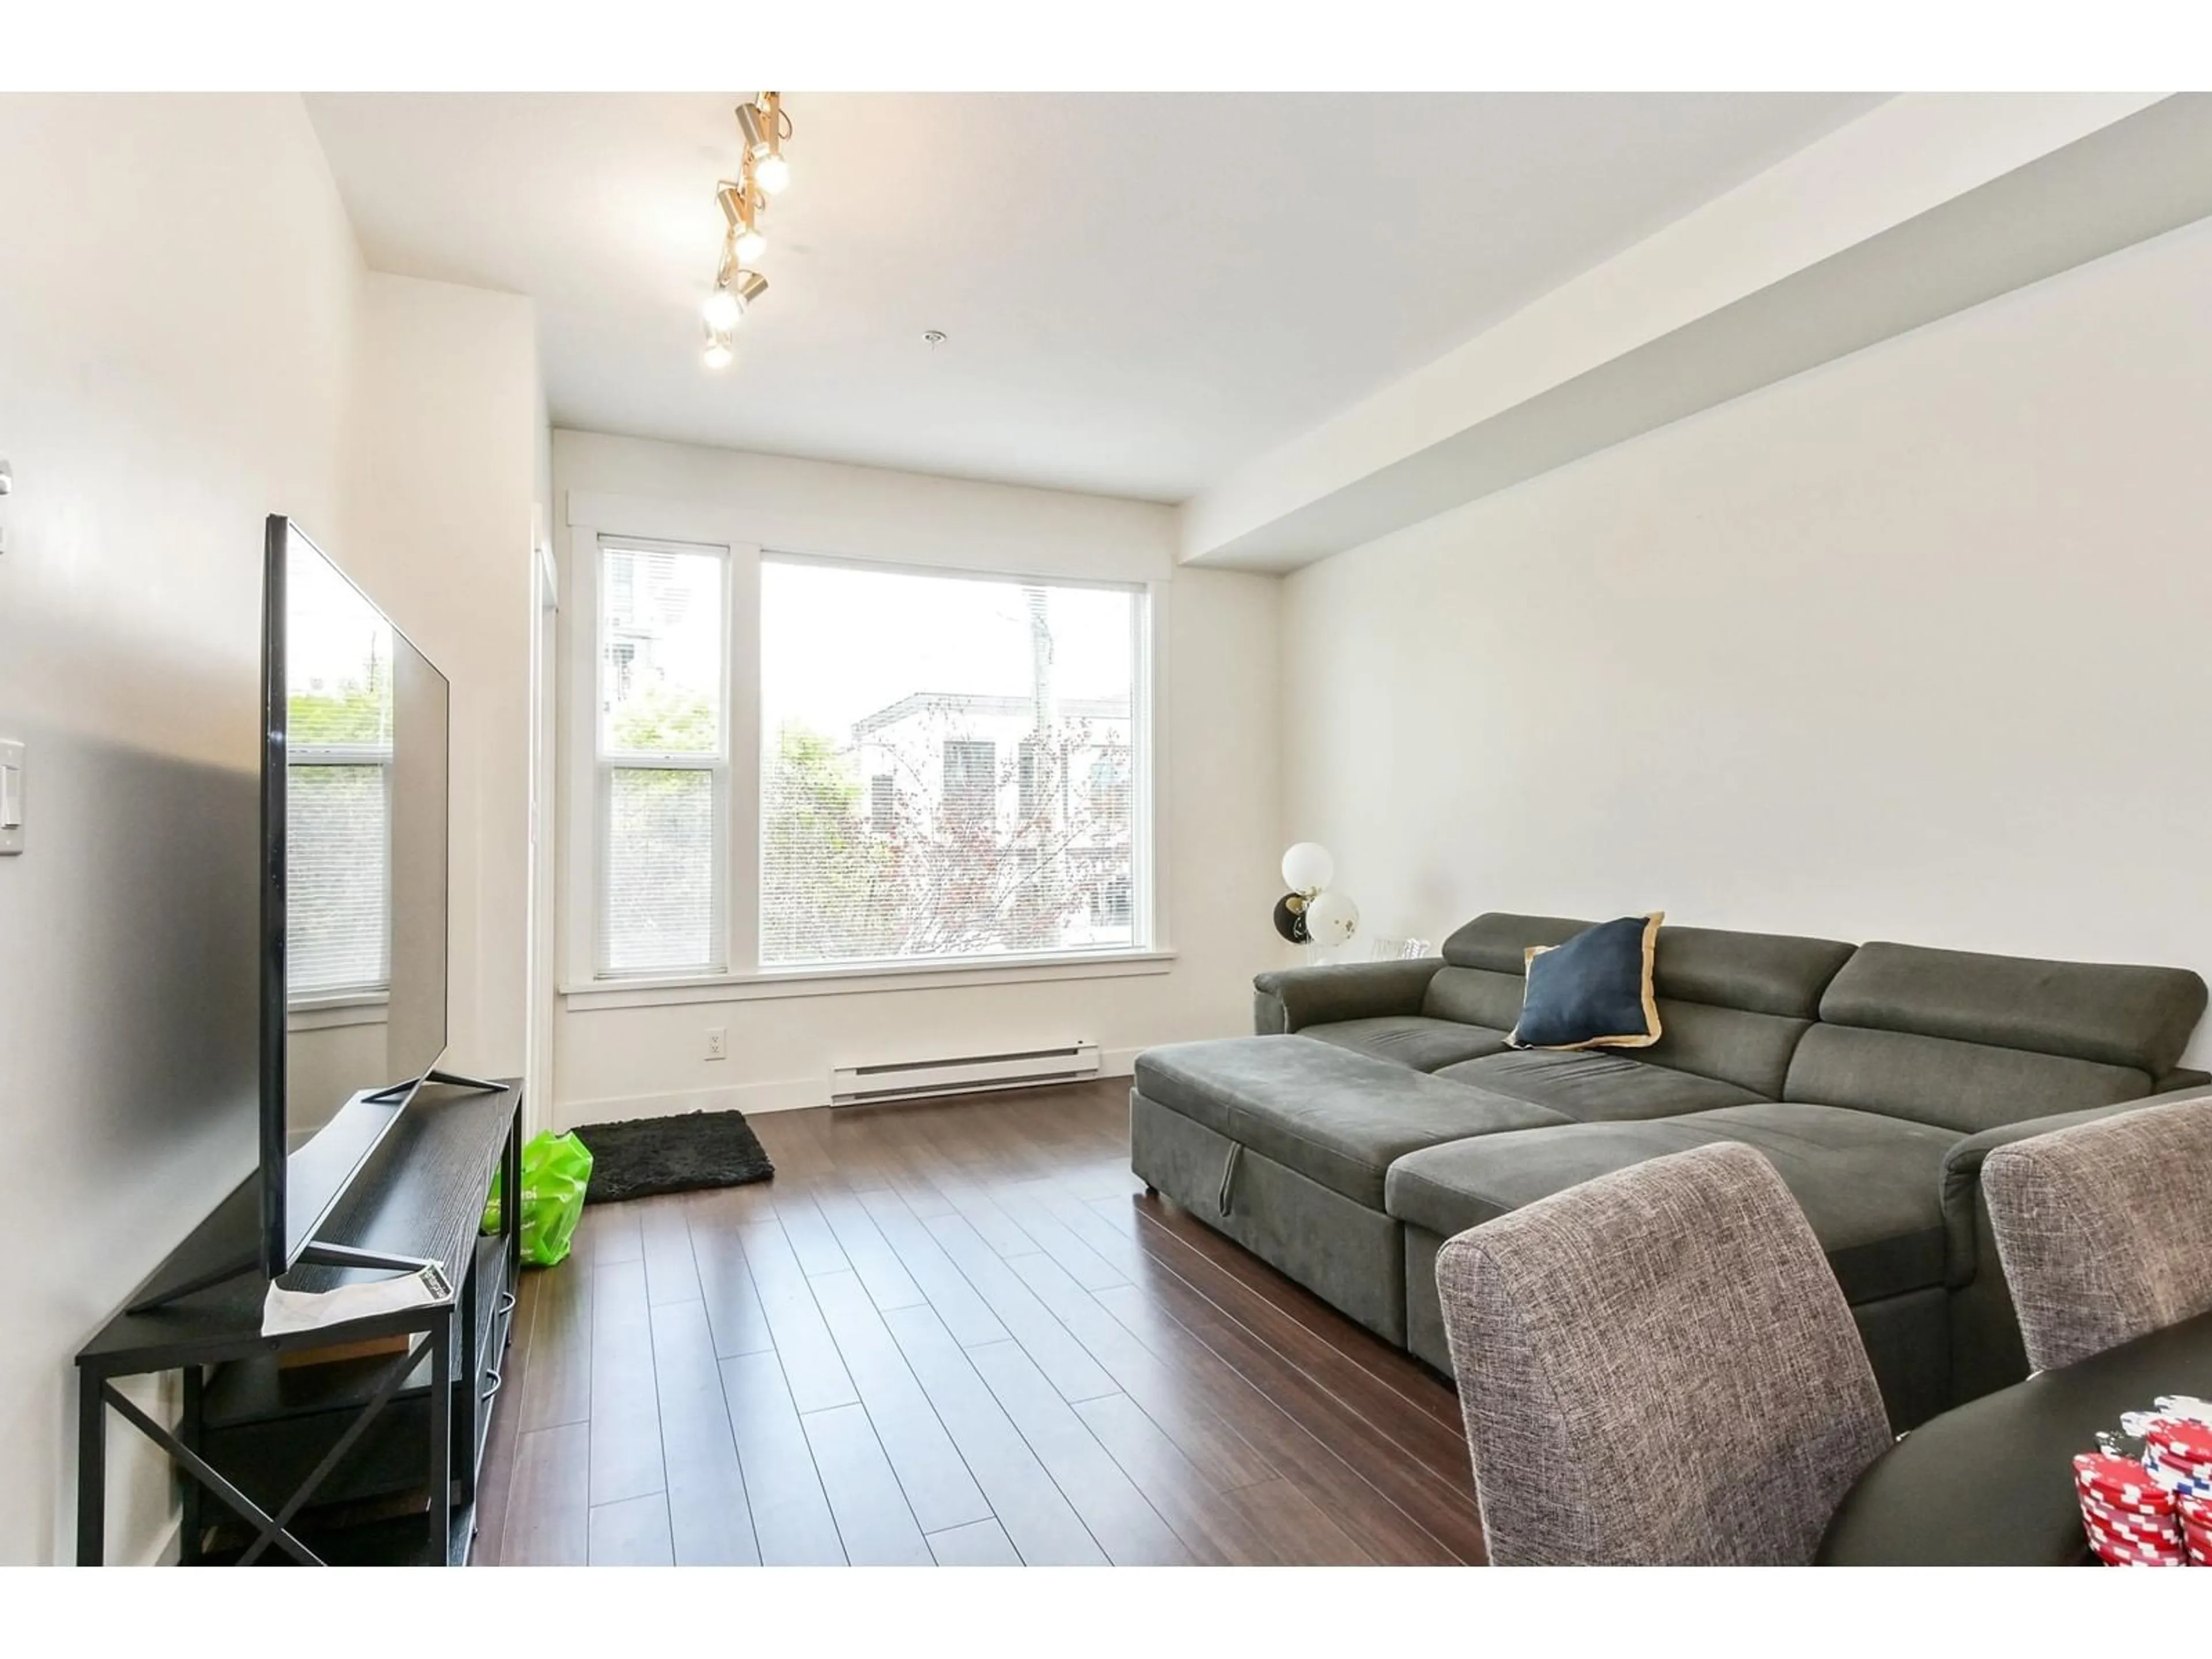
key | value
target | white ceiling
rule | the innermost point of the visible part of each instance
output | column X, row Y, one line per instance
column 1138, row 291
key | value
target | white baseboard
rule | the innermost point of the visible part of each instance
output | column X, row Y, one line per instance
column 794, row 1095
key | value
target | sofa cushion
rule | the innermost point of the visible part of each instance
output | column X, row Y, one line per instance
column 2108, row 1014
column 1590, row 1086
column 1963, row 1086
column 1499, row 942
column 1592, row 992
column 1412, row 1040
column 1475, row 996
column 1752, row 1051
column 1331, row 1114
column 1760, row 973
column 1870, row 1185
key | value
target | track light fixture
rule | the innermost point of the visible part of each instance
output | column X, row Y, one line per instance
column 765, row 126
column 761, row 171
column 742, row 208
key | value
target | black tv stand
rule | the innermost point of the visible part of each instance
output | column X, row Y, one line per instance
column 372, row 1458
column 316, row 1255
column 244, row 1257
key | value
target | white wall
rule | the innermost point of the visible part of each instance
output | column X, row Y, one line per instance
column 177, row 292
column 438, row 525
column 1217, row 736
column 1910, row 647
column 188, row 342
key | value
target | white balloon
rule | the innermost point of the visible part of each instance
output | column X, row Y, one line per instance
column 1308, row 868
column 1332, row 919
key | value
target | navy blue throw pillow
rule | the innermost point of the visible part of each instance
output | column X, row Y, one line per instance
column 1593, row 991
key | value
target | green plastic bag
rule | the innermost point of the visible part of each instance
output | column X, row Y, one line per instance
column 556, row 1171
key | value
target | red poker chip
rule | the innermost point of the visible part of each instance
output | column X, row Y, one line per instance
column 2118, row 1472
column 2171, row 1467
column 2153, row 1502
column 2157, row 1515
column 2167, row 1471
column 2157, row 1532
column 2148, row 1553
column 2186, row 1438
column 2187, row 1457
column 2149, row 1548
column 2158, row 1538
column 2141, row 1500
column 2141, row 1493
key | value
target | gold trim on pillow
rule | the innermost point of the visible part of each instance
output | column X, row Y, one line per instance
column 1644, row 1040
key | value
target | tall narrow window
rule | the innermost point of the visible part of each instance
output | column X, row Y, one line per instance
column 663, row 753
column 948, row 767
column 337, row 796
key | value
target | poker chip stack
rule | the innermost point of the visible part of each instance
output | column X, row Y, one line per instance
column 2129, row 1517
column 2196, row 1515
column 2178, row 1454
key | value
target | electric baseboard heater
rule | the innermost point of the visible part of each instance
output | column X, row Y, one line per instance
column 966, row 1074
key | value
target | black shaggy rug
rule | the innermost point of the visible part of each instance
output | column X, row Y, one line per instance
column 671, row 1155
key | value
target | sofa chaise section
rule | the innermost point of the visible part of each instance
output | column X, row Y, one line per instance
column 1870, row 1185
column 1284, row 1143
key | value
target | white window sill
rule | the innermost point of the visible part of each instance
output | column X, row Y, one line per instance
column 322, row 1013
column 872, row 977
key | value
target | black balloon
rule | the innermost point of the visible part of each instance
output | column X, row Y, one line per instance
column 1290, row 918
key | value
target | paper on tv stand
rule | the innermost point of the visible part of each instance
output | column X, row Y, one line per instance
column 285, row 1313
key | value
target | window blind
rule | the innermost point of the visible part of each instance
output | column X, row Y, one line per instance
column 338, row 800
column 338, row 831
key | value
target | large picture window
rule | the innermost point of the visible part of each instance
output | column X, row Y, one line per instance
column 944, row 765
column 808, row 766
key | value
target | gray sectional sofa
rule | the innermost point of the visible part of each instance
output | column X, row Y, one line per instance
column 1380, row 1110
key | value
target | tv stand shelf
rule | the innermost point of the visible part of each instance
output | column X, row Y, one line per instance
column 372, row 1458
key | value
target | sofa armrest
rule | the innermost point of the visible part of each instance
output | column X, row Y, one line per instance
column 1962, row 1170
column 1290, row 998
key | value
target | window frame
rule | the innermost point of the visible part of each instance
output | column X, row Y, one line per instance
column 716, row 763
column 678, row 528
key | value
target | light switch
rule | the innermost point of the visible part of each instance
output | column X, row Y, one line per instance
column 12, row 798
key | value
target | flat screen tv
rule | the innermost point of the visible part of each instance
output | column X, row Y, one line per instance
column 353, row 887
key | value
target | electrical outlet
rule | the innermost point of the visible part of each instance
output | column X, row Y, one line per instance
column 718, row 1042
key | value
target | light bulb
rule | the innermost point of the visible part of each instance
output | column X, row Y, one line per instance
column 719, row 355
column 750, row 245
column 772, row 174
column 723, row 311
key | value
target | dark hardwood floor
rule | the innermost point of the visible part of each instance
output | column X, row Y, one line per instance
column 955, row 1332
